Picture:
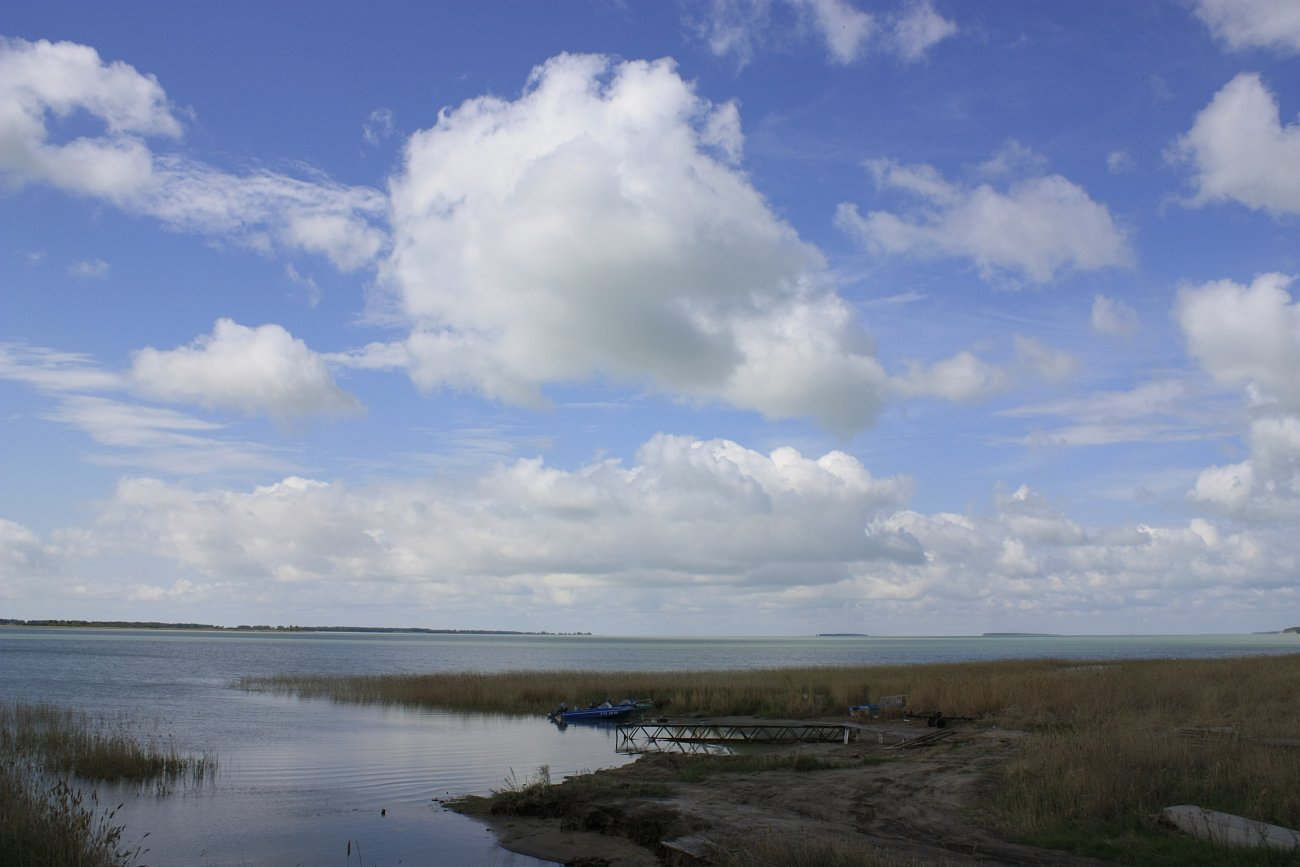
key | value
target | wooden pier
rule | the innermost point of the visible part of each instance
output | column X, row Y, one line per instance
column 701, row 732
column 705, row 736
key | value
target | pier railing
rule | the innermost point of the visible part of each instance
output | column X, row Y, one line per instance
column 733, row 733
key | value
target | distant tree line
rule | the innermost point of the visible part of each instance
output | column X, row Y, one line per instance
column 152, row 624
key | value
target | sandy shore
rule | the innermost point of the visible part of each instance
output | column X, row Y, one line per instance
column 920, row 806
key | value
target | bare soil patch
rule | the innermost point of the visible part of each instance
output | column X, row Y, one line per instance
column 915, row 806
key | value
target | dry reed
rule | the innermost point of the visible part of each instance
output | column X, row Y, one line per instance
column 64, row 741
column 44, row 819
column 55, row 825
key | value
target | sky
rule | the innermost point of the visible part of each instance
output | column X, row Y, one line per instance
column 722, row 317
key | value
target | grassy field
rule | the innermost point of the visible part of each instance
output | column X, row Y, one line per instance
column 784, row 851
column 1105, row 751
column 47, row 820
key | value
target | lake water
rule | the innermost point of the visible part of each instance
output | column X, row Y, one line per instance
column 301, row 782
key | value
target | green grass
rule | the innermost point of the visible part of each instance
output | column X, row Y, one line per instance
column 786, row 851
column 1158, row 849
column 696, row 769
column 538, row 796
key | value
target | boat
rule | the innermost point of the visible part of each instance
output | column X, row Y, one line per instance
column 605, row 710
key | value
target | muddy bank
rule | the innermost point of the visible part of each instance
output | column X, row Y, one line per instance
column 913, row 806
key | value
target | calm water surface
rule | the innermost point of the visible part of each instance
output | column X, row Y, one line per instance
column 300, row 780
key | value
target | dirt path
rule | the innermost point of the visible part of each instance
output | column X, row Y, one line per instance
column 924, row 805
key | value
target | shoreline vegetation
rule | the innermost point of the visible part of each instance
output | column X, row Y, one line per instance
column 1099, row 748
column 46, row 754
column 208, row 627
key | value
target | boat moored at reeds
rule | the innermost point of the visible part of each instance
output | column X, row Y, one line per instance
column 606, row 710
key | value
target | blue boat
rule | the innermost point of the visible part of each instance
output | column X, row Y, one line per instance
column 605, row 710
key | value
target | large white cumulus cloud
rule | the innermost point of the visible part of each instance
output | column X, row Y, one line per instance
column 598, row 225
column 702, row 529
column 1025, row 561
column 688, row 512
column 1246, row 335
column 1249, row 336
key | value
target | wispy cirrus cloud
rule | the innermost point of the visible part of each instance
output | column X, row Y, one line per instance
column 42, row 83
column 1155, row 411
column 252, row 371
column 1114, row 317
column 127, row 432
column 89, row 269
column 1034, row 229
column 160, row 439
column 50, row 370
column 742, row 29
column 1245, row 24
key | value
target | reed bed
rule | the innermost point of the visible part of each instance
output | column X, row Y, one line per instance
column 1256, row 694
column 801, row 693
column 1105, row 750
column 43, row 826
column 61, row 741
column 45, row 819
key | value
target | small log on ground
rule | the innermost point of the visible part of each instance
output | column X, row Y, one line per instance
column 1226, row 829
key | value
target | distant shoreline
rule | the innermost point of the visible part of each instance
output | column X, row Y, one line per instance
column 1020, row 635
column 420, row 630
column 209, row 627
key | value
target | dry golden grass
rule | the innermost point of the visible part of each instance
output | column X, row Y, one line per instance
column 1107, row 753
column 785, row 692
column 1256, row 694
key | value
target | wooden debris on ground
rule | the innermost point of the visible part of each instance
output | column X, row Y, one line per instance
column 1203, row 736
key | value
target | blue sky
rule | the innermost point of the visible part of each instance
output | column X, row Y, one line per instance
column 741, row 317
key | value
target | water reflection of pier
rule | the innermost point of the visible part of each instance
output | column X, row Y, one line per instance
column 714, row 733
column 633, row 747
